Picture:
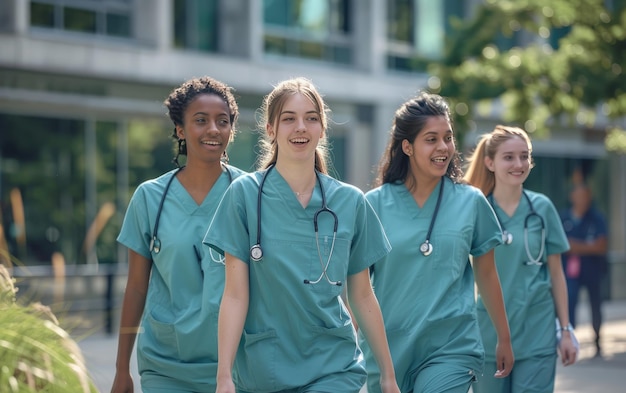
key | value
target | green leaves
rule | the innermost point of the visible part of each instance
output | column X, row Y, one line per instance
column 570, row 70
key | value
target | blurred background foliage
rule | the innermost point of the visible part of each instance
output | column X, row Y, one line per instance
column 573, row 77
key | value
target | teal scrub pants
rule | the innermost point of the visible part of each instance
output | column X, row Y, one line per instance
column 168, row 385
column 533, row 375
column 443, row 378
column 346, row 382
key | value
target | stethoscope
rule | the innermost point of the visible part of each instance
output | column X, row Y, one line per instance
column 507, row 237
column 155, row 242
column 427, row 247
column 256, row 252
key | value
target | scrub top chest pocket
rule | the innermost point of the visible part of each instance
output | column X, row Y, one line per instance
column 289, row 261
column 449, row 252
column 328, row 265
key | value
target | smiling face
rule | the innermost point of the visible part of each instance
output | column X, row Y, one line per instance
column 297, row 129
column 511, row 163
column 431, row 151
column 206, row 128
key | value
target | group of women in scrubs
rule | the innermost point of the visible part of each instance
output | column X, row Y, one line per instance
column 296, row 239
column 528, row 264
column 172, row 295
column 425, row 285
column 288, row 266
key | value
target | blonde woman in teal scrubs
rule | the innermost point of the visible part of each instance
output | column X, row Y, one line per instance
column 296, row 238
column 528, row 263
column 425, row 286
column 170, row 289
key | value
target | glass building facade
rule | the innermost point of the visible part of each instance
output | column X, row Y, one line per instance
column 82, row 84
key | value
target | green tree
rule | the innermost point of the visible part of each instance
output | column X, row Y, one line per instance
column 572, row 69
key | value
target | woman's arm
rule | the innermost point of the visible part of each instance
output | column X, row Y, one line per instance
column 490, row 291
column 366, row 310
column 132, row 310
column 559, row 293
column 232, row 316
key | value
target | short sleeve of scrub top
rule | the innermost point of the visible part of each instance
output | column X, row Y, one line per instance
column 140, row 215
column 486, row 222
column 233, row 238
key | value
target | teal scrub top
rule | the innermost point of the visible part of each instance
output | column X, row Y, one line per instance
column 428, row 302
column 294, row 332
column 179, row 324
column 527, row 289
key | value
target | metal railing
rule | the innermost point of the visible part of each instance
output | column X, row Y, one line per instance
column 73, row 289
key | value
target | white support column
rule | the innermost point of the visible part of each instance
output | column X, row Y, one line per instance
column 617, row 226
column 153, row 26
column 255, row 31
column 369, row 35
column 15, row 16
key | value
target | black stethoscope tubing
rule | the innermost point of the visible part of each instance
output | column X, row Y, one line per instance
column 426, row 248
column 155, row 242
column 507, row 237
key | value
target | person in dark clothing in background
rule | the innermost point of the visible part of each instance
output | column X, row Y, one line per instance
column 585, row 264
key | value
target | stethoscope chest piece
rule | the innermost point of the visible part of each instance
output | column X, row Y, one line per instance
column 256, row 253
column 155, row 245
column 507, row 237
column 426, row 248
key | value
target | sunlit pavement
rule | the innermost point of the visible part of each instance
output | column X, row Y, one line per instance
column 589, row 375
column 597, row 374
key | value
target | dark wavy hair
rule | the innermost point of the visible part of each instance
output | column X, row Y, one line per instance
column 409, row 120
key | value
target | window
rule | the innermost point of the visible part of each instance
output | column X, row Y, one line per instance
column 416, row 31
column 104, row 17
column 195, row 24
column 311, row 29
column 51, row 192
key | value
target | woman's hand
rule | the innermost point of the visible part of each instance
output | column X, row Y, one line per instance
column 225, row 385
column 123, row 383
column 567, row 349
column 504, row 359
column 389, row 385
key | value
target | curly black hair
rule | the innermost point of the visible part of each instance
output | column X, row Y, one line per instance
column 180, row 98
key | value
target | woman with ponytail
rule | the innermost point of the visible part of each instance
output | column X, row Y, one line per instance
column 528, row 264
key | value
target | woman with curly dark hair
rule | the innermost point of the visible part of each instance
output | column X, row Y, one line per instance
column 174, row 285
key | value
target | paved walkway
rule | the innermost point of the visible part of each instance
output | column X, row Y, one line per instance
column 606, row 374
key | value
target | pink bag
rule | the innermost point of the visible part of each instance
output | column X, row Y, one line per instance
column 572, row 268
